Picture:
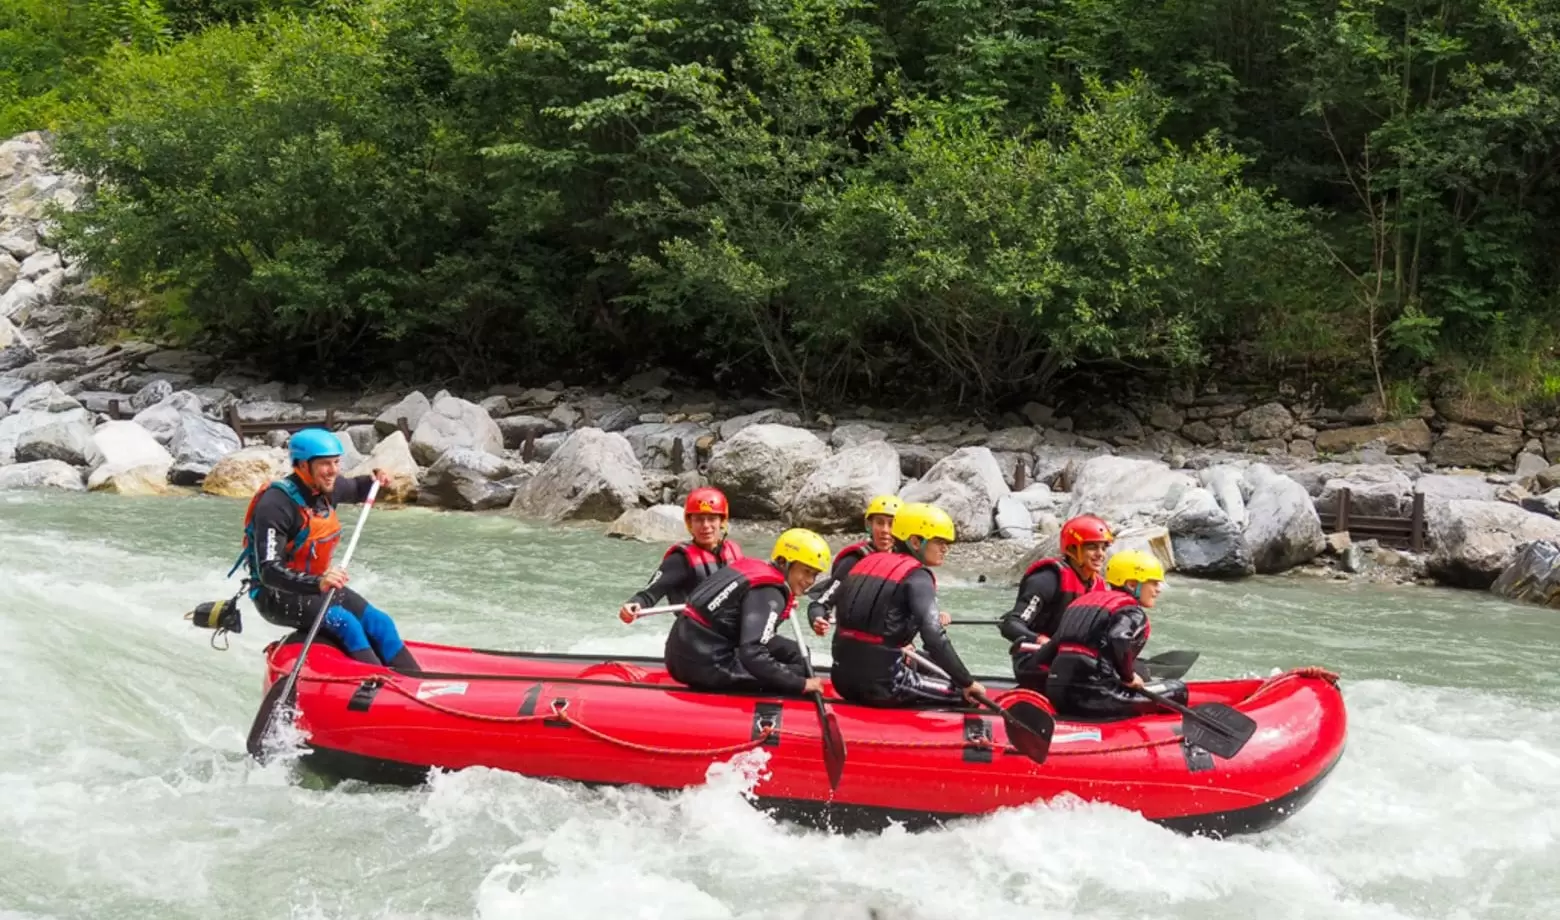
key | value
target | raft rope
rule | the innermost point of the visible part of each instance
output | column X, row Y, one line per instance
column 560, row 712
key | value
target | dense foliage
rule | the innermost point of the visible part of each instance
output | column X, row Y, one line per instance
column 828, row 197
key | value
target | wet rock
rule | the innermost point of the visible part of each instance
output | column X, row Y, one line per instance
column 834, row 496
column 244, row 472
column 658, row 524
column 1283, row 529
column 394, row 456
column 1205, row 541
column 451, row 422
column 44, row 397
column 43, row 474
column 763, row 466
column 64, row 436
column 1533, row 576
column 593, row 476
column 1472, row 542
column 472, row 480
column 412, row 409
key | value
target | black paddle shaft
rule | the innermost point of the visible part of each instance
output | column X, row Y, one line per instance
column 1219, row 729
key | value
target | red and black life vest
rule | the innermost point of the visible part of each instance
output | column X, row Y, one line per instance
column 853, row 553
column 310, row 549
column 1044, row 617
column 870, row 608
column 716, row 604
column 702, row 562
column 1084, row 626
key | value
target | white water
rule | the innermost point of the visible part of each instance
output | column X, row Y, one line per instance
column 124, row 791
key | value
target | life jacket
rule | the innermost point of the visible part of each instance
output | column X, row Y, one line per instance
column 716, row 604
column 701, row 561
column 310, row 549
column 869, row 609
column 853, row 553
column 1046, row 618
column 1084, row 625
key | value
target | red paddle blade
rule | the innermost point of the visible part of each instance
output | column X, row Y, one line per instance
column 833, row 744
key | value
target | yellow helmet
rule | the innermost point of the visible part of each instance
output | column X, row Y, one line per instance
column 883, row 504
column 1133, row 565
column 918, row 519
column 804, row 546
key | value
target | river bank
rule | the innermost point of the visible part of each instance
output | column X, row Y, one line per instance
column 1220, row 483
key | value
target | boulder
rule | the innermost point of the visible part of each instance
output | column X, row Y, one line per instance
column 972, row 506
column 1270, row 420
column 1533, row 576
column 1472, row 542
column 1128, row 492
column 1019, row 440
column 394, row 456
column 45, row 397
column 412, row 408
column 452, row 422
column 1283, row 529
column 269, row 410
column 16, row 425
column 1545, row 503
column 162, row 419
column 1463, row 445
column 1375, row 490
column 150, row 395
column 1530, row 465
column 1013, row 519
column 1441, row 487
column 65, row 436
column 1225, row 482
column 593, row 476
column 849, row 435
column 763, row 466
column 243, row 472
column 42, row 474
column 1410, row 435
column 197, row 444
column 471, row 480
column 833, row 497
column 363, row 437
column 132, row 462
column 1037, row 496
column 1206, row 542
column 730, row 427
column 666, row 446
column 660, row 524
column 515, row 429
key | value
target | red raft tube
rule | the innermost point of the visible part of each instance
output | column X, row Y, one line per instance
column 624, row 721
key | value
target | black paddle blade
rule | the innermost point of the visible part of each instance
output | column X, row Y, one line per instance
column 1218, row 729
column 1169, row 666
column 255, row 744
column 1029, row 729
column 833, row 743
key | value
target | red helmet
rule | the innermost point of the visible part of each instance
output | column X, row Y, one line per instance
column 706, row 500
column 1085, row 528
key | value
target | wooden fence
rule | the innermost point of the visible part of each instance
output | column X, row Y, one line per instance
column 1408, row 533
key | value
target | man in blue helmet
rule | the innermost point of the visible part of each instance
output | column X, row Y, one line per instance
column 290, row 534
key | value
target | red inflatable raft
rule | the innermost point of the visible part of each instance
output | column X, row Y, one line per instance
column 622, row 721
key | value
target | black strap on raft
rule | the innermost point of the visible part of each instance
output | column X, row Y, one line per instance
column 222, row 616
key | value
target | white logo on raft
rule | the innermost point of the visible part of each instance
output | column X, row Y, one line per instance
column 433, row 688
column 1092, row 734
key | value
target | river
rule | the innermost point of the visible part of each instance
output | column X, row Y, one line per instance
column 125, row 793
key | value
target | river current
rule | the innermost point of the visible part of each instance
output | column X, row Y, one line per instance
column 125, row 792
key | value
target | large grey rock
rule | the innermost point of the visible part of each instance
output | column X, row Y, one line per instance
column 1013, row 519
column 197, row 444
column 1533, row 576
column 657, row 444
column 394, row 456
column 65, row 436
column 1270, row 420
column 45, row 397
column 19, row 300
column 163, row 419
column 1128, row 492
column 242, row 473
column 43, row 474
column 268, row 410
column 833, row 497
column 41, row 263
column 471, row 480
column 452, row 422
column 1225, row 483
column 762, row 467
column 1375, row 490
column 1463, row 445
column 1283, row 529
column 16, row 425
column 133, row 463
column 593, row 476
column 851, row 434
column 151, row 394
column 660, row 524
column 1205, row 540
column 516, row 428
column 1405, row 436
column 730, row 427
column 1472, row 542
column 363, row 437
column 1441, row 487
column 412, row 408
column 976, row 471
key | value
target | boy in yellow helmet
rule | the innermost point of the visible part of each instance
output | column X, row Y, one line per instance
column 1099, row 639
column 880, row 539
column 725, row 638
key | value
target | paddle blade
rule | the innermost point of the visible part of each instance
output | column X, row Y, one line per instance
column 1029, row 728
column 1218, row 729
column 1169, row 666
column 255, row 743
column 833, row 742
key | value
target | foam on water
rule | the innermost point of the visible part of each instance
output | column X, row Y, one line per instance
column 124, row 791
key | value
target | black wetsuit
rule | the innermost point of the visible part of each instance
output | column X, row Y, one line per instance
column 727, row 637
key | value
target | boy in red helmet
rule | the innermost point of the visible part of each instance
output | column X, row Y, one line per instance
column 1048, row 586
column 706, row 515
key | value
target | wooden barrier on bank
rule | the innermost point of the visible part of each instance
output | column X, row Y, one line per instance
column 1407, row 533
column 332, row 422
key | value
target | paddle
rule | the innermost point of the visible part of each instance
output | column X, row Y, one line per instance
column 1035, row 725
column 649, row 612
column 1169, row 666
column 281, row 694
column 828, row 723
column 1216, row 728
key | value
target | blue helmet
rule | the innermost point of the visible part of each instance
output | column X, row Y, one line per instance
column 313, row 443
